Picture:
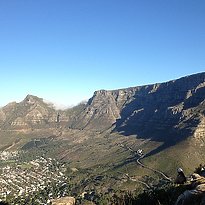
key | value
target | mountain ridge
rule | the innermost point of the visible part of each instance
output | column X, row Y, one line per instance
column 165, row 121
column 168, row 113
column 108, row 107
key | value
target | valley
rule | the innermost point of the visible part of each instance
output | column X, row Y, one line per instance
column 94, row 147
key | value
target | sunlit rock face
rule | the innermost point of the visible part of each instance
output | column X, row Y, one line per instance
column 145, row 111
column 148, row 110
column 64, row 201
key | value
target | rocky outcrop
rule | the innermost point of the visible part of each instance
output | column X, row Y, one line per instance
column 100, row 112
column 195, row 193
column 64, row 201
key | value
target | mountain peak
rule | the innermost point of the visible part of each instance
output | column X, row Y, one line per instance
column 31, row 99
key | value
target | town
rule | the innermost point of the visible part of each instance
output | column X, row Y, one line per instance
column 22, row 179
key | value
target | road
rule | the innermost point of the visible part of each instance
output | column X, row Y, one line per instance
column 138, row 161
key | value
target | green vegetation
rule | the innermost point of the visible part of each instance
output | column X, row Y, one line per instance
column 165, row 194
column 87, row 187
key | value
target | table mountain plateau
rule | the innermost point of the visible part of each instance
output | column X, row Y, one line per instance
column 163, row 118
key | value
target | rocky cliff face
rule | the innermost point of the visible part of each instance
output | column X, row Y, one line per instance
column 168, row 106
column 100, row 112
column 149, row 111
column 175, row 108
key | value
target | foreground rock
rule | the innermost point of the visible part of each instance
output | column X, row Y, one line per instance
column 196, row 193
column 64, row 201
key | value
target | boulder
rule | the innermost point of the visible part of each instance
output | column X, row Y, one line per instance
column 196, row 195
column 64, row 201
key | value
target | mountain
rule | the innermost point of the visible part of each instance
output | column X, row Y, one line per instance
column 165, row 119
column 176, row 107
column 141, row 110
column 32, row 112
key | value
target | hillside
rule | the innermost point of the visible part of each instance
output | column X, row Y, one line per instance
column 148, row 112
column 165, row 120
column 157, row 107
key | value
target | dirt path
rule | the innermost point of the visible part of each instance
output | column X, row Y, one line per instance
column 154, row 170
column 138, row 161
column 13, row 144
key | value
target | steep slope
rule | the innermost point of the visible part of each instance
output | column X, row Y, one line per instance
column 100, row 112
column 168, row 112
column 147, row 110
column 166, row 121
column 31, row 113
column 143, row 111
column 165, row 114
column 163, row 106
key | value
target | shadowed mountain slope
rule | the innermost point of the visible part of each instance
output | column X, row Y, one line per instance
column 165, row 112
column 176, row 108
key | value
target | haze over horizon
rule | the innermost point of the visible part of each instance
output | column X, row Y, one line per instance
column 65, row 51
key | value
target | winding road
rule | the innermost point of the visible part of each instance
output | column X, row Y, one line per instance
column 134, row 153
column 154, row 170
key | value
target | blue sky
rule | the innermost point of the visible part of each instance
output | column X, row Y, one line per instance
column 64, row 50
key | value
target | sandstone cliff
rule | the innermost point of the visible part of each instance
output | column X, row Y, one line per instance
column 176, row 107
